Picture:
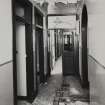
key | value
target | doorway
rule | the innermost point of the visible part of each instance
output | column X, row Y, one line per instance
column 39, row 46
column 55, row 46
column 40, row 56
column 68, row 54
column 24, row 88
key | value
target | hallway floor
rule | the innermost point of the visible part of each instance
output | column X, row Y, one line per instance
column 65, row 90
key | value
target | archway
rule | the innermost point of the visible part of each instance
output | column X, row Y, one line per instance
column 84, row 22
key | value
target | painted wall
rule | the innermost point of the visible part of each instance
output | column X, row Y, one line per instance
column 96, row 42
column 52, row 48
column 6, row 71
column 5, row 31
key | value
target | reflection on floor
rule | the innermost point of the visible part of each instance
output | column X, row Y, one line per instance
column 61, row 90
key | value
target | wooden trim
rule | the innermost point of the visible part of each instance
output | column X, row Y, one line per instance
column 84, row 48
column 62, row 29
column 69, row 14
column 23, row 2
column 14, row 54
column 27, row 98
column 7, row 62
column 22, row 97
column 39, row 26
column 97, row 61
column 20, row 19
column 37, row 7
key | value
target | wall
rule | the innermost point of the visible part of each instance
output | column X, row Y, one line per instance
column 21, row 59
column 52, row 48
column 5, row 31
column 96, row 59
column 6, row 71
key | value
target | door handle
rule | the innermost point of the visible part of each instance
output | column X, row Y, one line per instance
column 16, row 52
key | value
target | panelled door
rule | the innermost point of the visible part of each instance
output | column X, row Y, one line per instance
column 21, row 59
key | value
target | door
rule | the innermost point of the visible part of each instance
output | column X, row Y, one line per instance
column 40, row 56
column 21, row 59
column 68, row 55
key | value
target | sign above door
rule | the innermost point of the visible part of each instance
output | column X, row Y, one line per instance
column 62, row 22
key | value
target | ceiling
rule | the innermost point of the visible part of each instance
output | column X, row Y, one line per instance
column 58, row 1
column 60, row 6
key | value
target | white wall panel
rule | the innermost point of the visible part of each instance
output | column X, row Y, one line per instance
column 6, row 71
column 96, row 29
column 96, row 42
column 5, row 31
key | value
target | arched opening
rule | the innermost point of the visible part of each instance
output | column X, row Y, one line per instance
column 84, row 22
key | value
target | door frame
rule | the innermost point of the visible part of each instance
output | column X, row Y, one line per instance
column 14, row 54
column 28, row 97
column 39, row 15
column 84, row 25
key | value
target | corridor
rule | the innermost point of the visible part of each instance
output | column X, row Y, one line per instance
column 52, row 52
column 64, row 90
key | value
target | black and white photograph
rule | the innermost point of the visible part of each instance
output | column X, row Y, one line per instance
column 52, row 52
